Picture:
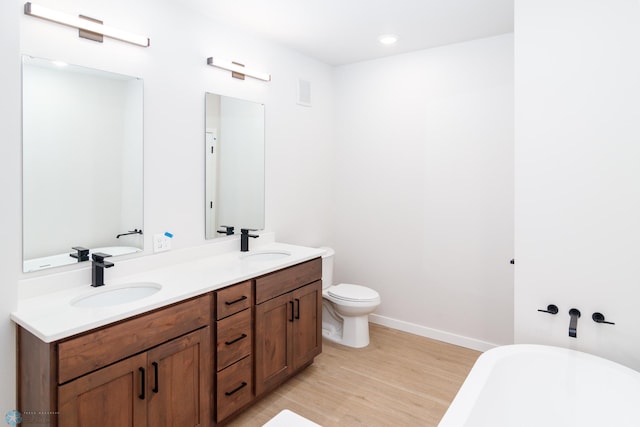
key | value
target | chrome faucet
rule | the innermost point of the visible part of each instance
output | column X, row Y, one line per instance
column 98, row 264
column 573, row 323
column 244, row 239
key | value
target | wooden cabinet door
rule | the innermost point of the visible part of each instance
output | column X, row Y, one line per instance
column 111, row 396
column 307, row 325
column 273, row 350
column 179, row 381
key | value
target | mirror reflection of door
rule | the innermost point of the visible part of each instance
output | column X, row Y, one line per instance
column 234, row 146
column 211, row 139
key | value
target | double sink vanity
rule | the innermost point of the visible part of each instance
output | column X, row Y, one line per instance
column 194, row 339
column 191, row 344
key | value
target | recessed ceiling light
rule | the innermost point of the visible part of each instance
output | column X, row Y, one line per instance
column 59, row 63
column 388, row 39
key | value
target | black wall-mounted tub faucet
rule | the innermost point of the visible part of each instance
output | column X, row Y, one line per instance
column 244, row 239
column 134, row 231
column 573, row 323
column 98, row 264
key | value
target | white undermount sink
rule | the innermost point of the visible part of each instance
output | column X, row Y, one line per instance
column 265, row 255
column 115, row 295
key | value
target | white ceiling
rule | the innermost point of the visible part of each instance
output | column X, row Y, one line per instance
column 345, row 31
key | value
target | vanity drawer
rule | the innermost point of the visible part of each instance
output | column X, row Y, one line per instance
column 234, row 388
column 94, row 350
column 233, row 299
column 283, row 281
column 234, row 338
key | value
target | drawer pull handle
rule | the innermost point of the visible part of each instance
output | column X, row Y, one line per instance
column 142, row 384
column 235, row 301
column 241, row 337
column 298, row 308
column 237, row 389
column 291, row 318
column 155, row 372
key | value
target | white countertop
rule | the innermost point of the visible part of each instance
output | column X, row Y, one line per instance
column 51, row 316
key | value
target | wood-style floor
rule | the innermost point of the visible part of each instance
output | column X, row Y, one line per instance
column 400, row 379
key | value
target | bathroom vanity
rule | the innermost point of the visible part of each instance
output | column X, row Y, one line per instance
column 193, row 357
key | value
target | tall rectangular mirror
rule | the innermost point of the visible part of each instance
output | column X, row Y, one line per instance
column 234, row 144
column 82, row 166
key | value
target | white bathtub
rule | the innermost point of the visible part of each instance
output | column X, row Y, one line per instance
column 533, row 385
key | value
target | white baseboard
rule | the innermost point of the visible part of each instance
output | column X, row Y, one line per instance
column 435, row 334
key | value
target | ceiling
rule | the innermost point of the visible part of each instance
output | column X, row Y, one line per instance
column 340, row 32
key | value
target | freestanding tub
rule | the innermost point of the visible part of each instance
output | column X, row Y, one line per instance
column 534, row 385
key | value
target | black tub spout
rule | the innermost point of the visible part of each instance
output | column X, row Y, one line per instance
column 134, row 231
column 573, row 323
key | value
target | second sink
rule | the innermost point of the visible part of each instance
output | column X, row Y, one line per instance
column 265, row 255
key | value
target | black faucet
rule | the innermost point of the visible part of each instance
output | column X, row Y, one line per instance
column 82, row 254
column 244, row 239
column 98, row 264
column 573, row 323
column 228, row 230
column 134, row 231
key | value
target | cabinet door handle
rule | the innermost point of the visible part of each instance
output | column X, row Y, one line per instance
column 155, row 374
column 240, row 387
column 291, row 304
column 142, row 384
column 235, row 301
column 298, row 308
column 241, row 337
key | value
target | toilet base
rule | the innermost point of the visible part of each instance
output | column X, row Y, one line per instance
column 354, row 331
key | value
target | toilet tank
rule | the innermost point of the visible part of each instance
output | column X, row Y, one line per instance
column 327, row 267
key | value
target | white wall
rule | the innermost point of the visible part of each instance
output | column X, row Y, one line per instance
column 10, row 177
column 423, row 182
column 577, row 175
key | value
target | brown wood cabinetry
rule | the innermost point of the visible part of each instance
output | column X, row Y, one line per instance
column 234, row 388
column 160, row 387
column 179, row 385
column 288, row 323
column 234, row 345
column 123, row 374
column 108, row 396
column 194, row 363
column 307, row 324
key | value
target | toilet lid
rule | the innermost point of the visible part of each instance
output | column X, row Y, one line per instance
column 350, row 292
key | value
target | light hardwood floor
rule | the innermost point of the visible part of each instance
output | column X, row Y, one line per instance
column 400, row 379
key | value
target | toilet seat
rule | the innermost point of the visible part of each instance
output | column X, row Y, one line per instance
column 355, row 293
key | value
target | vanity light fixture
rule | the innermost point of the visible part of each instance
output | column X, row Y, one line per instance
column 89, row 28
column 237, row 70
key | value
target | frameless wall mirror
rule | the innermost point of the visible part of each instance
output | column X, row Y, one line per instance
column 82, row 142
column 234, row 143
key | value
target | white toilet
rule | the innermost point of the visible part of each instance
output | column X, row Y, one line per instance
column 345, row 308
